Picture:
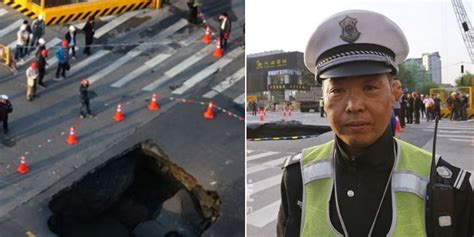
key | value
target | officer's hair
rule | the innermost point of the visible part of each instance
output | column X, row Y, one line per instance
column 324, row 84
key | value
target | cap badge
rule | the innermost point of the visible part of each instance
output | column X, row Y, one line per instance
column 349, row 30
column 444, row 172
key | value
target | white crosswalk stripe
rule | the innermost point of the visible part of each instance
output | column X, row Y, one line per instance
column 84, row 63
column 155, row 62
column 261, row 212
column 136, row 51
column 219, row 64
column 104, row 18
column 116, row 22
column 454, row 131
column 53, row 60
column 264, row 166
column 240, row 99
column 3, row 12
column 15, row 26
column 265, row 215
column 226, row 84
column 261, row 155
column 50, row 44
column 172, row 72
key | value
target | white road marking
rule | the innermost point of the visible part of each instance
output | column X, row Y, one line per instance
column 227, row 83
column 450, row 131
column 172, row 72
column 266, row 165
column 264, row 216
column 14, row 26
column 219, row 64
column 137, row 51
column 115, row 22
column 3, row 12
column 261, row 155
column 463, row 140
column 265, row 184
column 89, row 60
column 53, row 60
column 455, row 136
column 240, row 99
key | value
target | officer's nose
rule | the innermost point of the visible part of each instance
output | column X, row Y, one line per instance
column 355, row 102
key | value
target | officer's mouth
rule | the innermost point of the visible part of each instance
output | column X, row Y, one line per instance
column 358, row 126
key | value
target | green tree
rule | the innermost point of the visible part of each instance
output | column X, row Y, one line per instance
column 467, row 77
column 415, row 78
column 307, row 78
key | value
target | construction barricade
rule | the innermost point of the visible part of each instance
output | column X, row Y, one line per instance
column 5, row 55
column 61, row 12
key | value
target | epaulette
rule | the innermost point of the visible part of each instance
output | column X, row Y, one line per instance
column 293, row 159
column 454, row 176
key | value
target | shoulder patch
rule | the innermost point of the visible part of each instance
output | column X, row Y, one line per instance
column 293, row 159
column 455, row 176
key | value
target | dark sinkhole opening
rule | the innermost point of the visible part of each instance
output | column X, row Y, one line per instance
column 284, row 129
column 137, row 193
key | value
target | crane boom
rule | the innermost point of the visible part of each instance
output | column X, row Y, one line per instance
column 465, row 26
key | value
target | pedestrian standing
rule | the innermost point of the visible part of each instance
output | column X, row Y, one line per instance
column 457, row 107
column 193, row 12
column 84, row 97
column 416, row 107
column 422, row 107
column 410, row 104
column 31, row 81
column 224, row 29
column 321, row 107
column 450, row 102
column 41, row 46
column 42, row 67
column 437, row 107
column 403, row 110
column 464, row 105
column 71, row 40
column 89, row 30
column 21, row 43
column 38, row 28
column 429, row 104
column 5, row 108
column 62, row 56
column 26, row 50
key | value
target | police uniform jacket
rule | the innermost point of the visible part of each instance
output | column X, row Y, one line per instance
column 367, row 175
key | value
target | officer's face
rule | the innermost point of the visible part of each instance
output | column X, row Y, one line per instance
column 359, row 108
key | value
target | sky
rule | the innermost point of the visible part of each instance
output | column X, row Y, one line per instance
column 429, row 26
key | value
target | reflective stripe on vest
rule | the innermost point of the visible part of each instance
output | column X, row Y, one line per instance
column 408, row 190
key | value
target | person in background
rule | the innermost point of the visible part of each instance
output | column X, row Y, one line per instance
column 224, row 29
column 5, row 108
column 21, row 43
column 62, row 56
column 71, row 40
column 89, row 30
column 31, row 81
column 42, row 67
column 37, row 28
column 84, row 97
column 417, row 107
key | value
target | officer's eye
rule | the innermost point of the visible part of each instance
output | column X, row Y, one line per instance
column 336, row 91
column 370, row 87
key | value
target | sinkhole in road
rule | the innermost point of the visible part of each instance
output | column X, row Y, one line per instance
column 284, row 129
column 140, row 192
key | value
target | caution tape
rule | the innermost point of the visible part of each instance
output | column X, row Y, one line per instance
column 61, row 136
column 281, row 138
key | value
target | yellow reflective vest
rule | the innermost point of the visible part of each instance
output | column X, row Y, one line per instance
column 408, row 187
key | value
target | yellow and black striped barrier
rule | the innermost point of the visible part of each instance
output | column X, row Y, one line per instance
column 61, row 12
column 281, row 138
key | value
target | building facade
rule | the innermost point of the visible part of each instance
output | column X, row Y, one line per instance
column 275, row 76
column 432, row 63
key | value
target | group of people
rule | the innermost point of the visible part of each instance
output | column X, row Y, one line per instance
column 32, row 38
column 411, row 107
column 457, row 105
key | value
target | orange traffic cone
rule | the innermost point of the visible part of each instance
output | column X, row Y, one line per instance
column 207, row 36
column 118, row 114
column 397, row 126
column 153, row 106
column 218, row 53
column 209, row 114
column 23, row 167
column 71, row 139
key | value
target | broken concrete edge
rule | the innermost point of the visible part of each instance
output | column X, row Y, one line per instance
column 208, row 201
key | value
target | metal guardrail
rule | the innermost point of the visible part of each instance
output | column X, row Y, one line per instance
column 65, row 11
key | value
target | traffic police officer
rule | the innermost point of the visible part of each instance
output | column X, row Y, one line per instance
column 365, row 182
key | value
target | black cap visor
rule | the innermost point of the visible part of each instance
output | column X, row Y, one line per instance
column 357, row 68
